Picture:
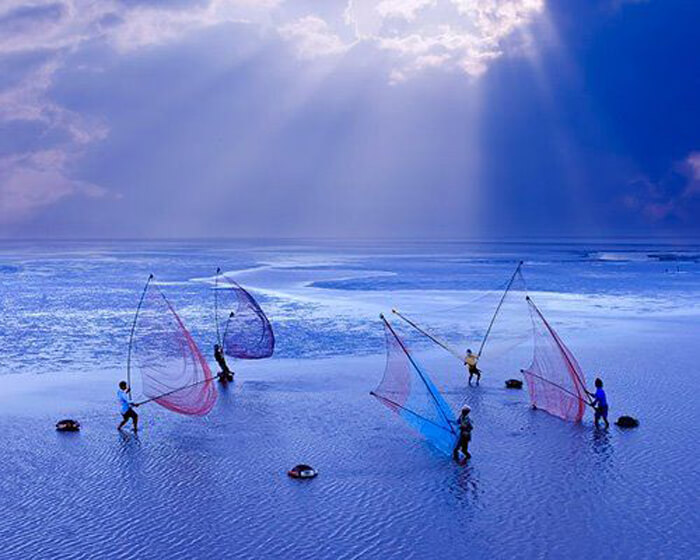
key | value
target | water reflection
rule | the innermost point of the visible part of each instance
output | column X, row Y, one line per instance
column 464, row 484
column 601, row 445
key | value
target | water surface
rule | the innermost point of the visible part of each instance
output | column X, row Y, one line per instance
column 216, row 487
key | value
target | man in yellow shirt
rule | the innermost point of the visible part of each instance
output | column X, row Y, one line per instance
column 470, row 361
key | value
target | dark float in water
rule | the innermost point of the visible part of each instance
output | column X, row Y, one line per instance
column 302, row 471
column 68, row 425
column 627, row 422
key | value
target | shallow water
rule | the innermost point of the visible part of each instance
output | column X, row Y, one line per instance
column 216, row 487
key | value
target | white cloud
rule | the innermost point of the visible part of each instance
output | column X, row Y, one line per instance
column 404, row 9
column 27, row 101
column 150, row 25
column 55, row 28
column 456, row 35
column 33, row 181
column 313, row 37
column 68, row 23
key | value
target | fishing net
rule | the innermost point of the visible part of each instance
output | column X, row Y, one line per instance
column 407, row 390
column 554, row 379
column 495, row 325
column 242, row 327
column 508, row 332
column 173, row 372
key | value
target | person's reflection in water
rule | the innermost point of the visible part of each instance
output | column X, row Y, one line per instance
column 601, row 446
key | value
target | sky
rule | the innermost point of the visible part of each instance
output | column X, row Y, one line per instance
column 349, row 118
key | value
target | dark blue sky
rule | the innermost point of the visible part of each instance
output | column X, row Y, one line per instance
column 357, row 118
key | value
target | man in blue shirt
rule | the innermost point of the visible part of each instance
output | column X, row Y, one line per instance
column 600, row 403
column 127, row 407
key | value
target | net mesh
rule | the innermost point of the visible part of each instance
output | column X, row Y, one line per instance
column 407, row 390
column 465, row 326
column 244, row 329
column 554, row 379
column 173, row 372
column 510, row 330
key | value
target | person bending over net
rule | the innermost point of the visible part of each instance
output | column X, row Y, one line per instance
column 600, row 403
column 465, row 434
column 225, row 374
column 127, row 407
column 470, row 361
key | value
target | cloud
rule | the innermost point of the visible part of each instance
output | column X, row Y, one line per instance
column 313, row 37
column 404, row 9
column 675, row 197
column 691, row 167
column 414, row 35
column 456, row 35
column 31, row 182
column 148, row 25
column 27, row 101
column 126, row 26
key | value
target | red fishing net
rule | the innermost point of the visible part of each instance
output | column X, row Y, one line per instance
column 554, row 379
column 173, row 372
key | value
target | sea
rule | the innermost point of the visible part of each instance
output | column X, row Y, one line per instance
column 217, row 486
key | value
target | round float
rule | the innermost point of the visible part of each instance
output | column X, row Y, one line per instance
column 627, row 422
column 302, row 471
column 67, row 425
column 514, row 384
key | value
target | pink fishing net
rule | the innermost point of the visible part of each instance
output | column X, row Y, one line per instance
column 554, row 379
column 173, row 372
column 395, row 386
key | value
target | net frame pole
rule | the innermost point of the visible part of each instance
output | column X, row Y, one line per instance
column 133, row 330
column 425, row 333
column 409, row 411
column 216, row 304
column 228, row 322
column 498, row 308
column 528, row 372
column 210, row 380
column 420, row 373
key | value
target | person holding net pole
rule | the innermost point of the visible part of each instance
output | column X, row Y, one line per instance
column 465, row 434
column 127, row 406
column 225, row 374
column 599, row 404
column 471, row 361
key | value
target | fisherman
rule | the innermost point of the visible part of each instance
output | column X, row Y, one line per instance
column 600, row 403
column 465, row 434
column 470, row 361
column 127, row 406
column 225, row 374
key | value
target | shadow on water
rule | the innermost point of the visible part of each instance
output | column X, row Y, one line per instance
column 464, row 484
column 129, row 452
column 601, row 444
column 226, row 391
